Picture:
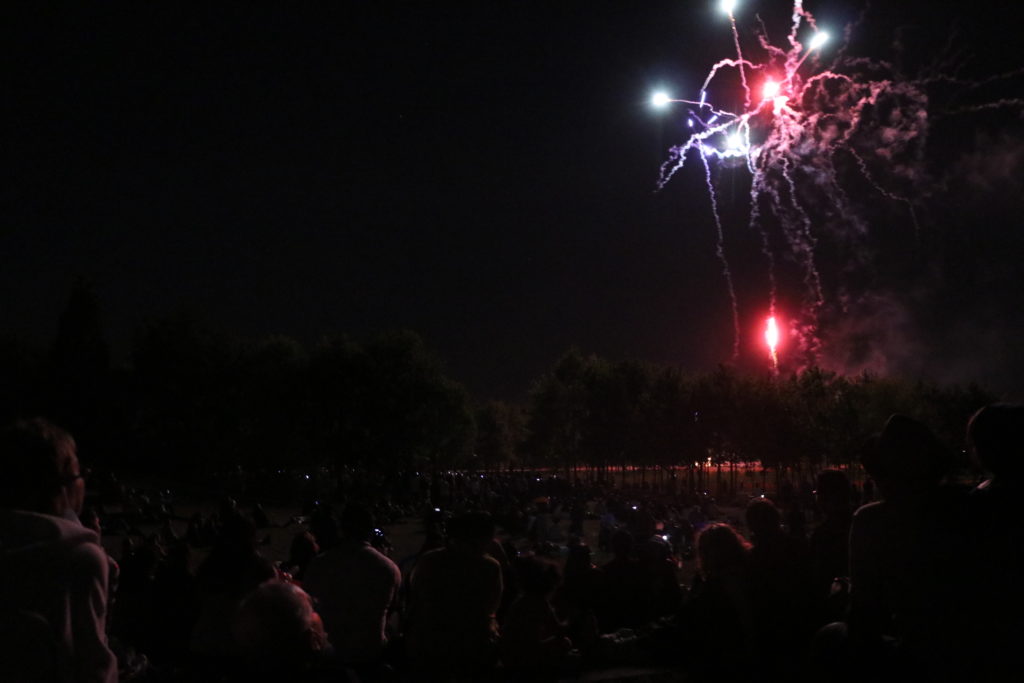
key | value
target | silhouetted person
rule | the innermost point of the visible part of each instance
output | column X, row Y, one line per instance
column 996, row 437
column 175, row 605
column 660, row 589
column 717, row 624
column 279, row 635
column 623, row 606
column 355, row 586
column 904, row 557
column 301, row 552
column 583, row 588
column 53, row 571
column 782, row 594
column 231, row 571
column 324, row 526
column 830, row 541
column 533, row 640
column 454, row 597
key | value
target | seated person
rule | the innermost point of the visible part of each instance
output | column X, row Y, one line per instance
column 532, row 637
column 279, row 635
column 54, row 573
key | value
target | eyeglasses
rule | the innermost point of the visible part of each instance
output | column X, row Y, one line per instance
column 83, row 474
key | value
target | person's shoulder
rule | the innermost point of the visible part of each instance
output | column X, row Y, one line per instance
column 319, row 565
column 870, row 512
column 81, row 546
column 432, row 558
column 37, row 527
column 328, row 558
column 490, row 561
column 89, row 557
column 379, row 559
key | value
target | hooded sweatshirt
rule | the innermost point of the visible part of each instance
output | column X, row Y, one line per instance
column 53, row 578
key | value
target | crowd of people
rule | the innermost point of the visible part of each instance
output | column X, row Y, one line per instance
column 920, row 583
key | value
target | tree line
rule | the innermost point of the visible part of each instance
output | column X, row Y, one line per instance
column 191, row 402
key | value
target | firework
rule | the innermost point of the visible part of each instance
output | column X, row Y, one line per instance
column 801, row 121
column 771, row 337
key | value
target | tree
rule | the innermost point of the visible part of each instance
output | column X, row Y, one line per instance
column 78, row 385
column 275, row 422
column 557, row 411
column 189, row 396
column 21, row 377
column 387, row 405
column 499, row 434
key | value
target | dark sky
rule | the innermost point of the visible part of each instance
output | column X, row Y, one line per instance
column 481, row 173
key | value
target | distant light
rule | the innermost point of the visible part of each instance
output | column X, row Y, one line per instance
column 712, row 119
column 770, row 90
column 728, row 6
column 660, row 100
column 819, row 39
column 689, row 122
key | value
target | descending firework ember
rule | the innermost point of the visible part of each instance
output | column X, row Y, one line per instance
column 809, row 124
column 771, row 337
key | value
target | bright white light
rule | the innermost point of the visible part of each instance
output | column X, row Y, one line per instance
column 819, row 39
column 728, row 6
column 771, row 89
column 660, row 100
column 734, row 141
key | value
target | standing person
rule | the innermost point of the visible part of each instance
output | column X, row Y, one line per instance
column 53, row 572
column 355, row 586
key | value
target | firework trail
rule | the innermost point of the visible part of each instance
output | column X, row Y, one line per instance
column 728, row 6
column 755, row 215
column 720, row 250
column 1005, row 103
column 863, row 166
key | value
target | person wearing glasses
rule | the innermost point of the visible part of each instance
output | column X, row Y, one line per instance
column 53, row 571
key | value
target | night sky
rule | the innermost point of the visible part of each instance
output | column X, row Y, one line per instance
column 482, row 173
